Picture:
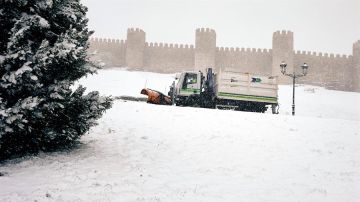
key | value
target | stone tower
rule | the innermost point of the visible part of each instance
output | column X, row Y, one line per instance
column 205, row 49
column 282, row 50
column 356, row 67
column 135, row 46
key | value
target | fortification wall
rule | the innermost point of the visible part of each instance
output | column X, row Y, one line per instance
column 168, row 58
column 355, row 73
column 282, row 50
column 251, row 60
column 205, row 49
column 110, row 51
column 135, row 48
column 327, row 70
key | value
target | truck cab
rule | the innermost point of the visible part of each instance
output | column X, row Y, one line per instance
column 189, row 83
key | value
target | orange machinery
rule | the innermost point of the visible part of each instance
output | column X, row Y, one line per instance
column 155, row 97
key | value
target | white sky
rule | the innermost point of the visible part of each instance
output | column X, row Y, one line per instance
column 319, row 25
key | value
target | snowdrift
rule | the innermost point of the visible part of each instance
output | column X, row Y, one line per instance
column 193, row 154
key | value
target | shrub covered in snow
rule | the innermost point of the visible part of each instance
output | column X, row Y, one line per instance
column 43, row 47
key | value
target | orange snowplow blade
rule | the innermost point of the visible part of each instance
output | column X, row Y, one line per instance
column 155, row 97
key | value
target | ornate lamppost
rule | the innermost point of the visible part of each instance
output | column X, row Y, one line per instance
column 304, row 68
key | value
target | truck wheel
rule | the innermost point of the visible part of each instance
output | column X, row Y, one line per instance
column 193, row 101
column 275, row 109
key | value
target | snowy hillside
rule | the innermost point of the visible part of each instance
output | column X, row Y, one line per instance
column 310, row 100
column 143, row 152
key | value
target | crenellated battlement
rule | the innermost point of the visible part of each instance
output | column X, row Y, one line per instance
column 283, row 33
column 357, row 43
column 205, row 30
column 168, row 45
column 328, row 69
column 320, row 54
column 136, row 30
column 107, row 41
column 356, row 48
column 242, row 50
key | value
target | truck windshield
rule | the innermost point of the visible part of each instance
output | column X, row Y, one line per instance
column 190, row 80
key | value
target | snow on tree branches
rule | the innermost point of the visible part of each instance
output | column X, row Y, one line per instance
column 43, row 51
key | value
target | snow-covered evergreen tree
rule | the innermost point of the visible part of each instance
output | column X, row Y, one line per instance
column 43, row 51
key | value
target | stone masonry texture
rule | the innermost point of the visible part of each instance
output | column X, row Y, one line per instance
column 333, row 71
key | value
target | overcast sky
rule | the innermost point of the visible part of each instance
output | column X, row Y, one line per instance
column 330, row 26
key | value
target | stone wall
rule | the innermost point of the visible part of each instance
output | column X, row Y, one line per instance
column 355, row 68
column 282, row 50
column 328, row 70
column 205, row 46
column 341, row 72
column 246, row 60
column 168, row 58
column 110, row 51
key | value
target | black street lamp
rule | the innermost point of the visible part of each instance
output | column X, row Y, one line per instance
column 304, row 68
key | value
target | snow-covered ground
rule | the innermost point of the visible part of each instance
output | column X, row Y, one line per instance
column 310, row 100
column 144, row 152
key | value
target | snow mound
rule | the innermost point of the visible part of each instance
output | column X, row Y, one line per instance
column 145, row 152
